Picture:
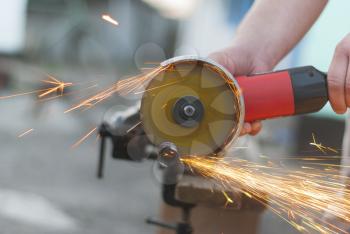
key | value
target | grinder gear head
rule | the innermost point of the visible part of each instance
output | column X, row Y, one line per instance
column 193, row 103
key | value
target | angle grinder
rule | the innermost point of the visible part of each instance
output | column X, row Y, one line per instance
column 199, row 106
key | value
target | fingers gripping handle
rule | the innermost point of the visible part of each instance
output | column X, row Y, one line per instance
column 283, row 93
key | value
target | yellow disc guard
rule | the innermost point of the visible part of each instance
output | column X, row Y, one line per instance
column 215, row 90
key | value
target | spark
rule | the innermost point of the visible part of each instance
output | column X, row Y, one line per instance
column 22, row 94
column 81, row 140
column 58, row 86
column 160, row 86
column 320, row 147
column 300, row 197
column 228, row 199
column 25, row 133
column 68, row 93
column 133, row 127
column 123, row 87
column 109, row 19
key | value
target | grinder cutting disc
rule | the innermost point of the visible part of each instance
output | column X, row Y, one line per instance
column 194, row 104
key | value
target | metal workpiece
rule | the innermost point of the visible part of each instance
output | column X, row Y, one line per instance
column 170, row 162
column 168, row 150
column 128, row 139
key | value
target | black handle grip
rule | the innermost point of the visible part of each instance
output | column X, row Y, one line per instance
column 310, row 89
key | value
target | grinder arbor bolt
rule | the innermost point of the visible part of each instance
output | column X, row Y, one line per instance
column 200, row 107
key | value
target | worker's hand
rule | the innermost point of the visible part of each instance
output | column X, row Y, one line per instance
column 239, row 61
column 339, row 77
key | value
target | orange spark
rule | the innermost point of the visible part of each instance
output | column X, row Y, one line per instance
column 76, row 144
column 68, row 93
column 25, row 133
column 133, row 127
column 228, row 199
column 123, row 87
column 109, row 19
column 320, row 147
column 160, row 86
column 22, row 94
column 300, row 197
column 58, row 86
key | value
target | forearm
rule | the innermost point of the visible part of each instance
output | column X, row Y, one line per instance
column 273, row 27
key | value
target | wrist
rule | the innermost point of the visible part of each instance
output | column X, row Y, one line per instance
column 259, row 53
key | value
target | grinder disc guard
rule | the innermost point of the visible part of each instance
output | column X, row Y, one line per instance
column 194, row 104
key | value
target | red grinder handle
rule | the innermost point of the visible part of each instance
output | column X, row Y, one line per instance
column 283, row 93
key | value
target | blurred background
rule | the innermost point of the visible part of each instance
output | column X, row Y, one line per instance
column 46, row 186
